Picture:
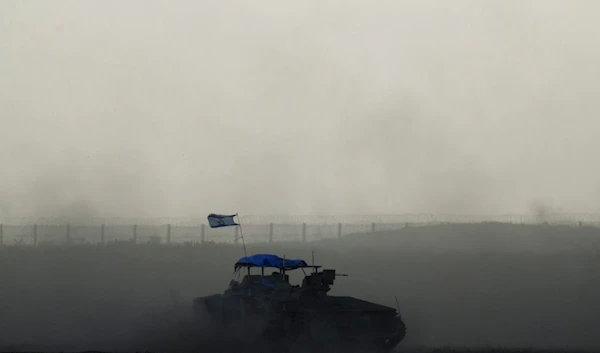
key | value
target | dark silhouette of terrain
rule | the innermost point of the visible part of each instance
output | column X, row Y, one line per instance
column 469, row 286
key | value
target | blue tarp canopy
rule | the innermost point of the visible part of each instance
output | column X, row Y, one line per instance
column 269, row 260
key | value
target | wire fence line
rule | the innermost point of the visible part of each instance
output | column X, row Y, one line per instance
column 168, row 234
column 314, row 219
column 27, row 231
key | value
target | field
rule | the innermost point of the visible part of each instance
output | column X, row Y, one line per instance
column 458, row 285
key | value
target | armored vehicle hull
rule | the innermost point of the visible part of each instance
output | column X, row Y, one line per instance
column 284, row 318
column 348, row 327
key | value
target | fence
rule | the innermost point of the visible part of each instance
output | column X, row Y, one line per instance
column 26, row 232
column 169, row 234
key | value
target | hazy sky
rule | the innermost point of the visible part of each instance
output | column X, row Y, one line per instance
column 180, row 108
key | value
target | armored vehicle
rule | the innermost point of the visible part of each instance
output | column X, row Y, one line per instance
column 267, row 312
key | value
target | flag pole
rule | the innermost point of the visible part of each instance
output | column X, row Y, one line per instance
column 241, row 234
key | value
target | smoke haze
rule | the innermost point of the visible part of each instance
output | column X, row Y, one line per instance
column 159, row 108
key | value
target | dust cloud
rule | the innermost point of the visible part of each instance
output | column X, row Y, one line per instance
column 160, row 108
column 509, row 286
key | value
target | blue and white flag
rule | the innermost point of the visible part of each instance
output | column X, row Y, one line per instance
column 219, row 220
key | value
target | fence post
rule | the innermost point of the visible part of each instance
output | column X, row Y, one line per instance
column 168, row 233
column 1, row 234
column 373, row 227
column 68, row 234
column 135, row 233
column 304, row 232
column 102, row 234
column 270, row 233
column 339, row 230
column 35, row 239
column 202, row 234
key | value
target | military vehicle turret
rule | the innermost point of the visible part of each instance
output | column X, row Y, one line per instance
column 267, row 312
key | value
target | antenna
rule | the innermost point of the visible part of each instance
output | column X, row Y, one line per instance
column 283, row 263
